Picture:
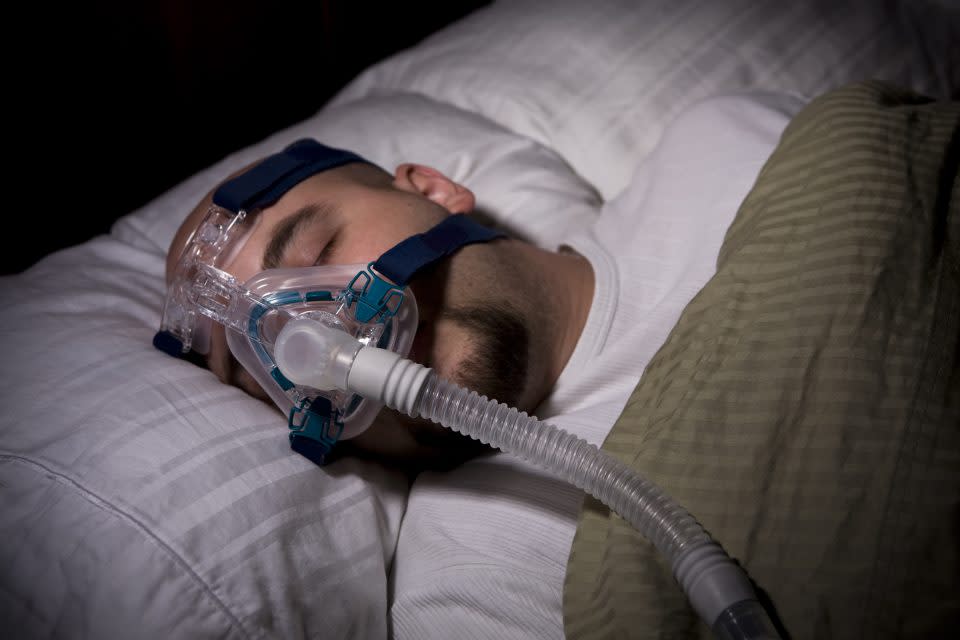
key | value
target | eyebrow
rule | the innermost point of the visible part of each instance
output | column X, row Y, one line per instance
column 287, row 230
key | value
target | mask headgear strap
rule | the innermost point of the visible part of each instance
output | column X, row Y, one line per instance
column 398, row 265
column 264, row 184
column 404, row 260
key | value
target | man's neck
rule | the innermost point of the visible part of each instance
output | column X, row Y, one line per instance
column 568, row 289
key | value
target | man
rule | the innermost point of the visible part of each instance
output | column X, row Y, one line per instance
column 489, row 315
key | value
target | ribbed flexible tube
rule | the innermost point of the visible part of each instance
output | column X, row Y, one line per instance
column 637, row 500
column 717, row 589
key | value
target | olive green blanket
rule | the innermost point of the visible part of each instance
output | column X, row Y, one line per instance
column 806, row 406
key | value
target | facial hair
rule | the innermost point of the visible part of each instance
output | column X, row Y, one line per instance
column 496, row 367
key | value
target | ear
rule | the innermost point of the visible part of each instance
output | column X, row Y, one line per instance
column 428, row 182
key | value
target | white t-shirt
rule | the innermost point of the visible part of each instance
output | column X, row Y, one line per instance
column 483, row 548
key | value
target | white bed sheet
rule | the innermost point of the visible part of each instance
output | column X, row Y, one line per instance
column 137, row 492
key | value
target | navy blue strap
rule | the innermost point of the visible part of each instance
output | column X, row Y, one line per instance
column 266, row 182
column 403, row 261
column 316, row 452
column 314, row 429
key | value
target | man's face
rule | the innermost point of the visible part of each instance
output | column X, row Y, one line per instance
column 352, row 215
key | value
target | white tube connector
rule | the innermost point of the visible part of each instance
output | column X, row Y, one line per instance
column 312, row 354
column 387, row 377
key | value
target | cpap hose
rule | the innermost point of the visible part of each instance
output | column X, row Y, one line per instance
column 312, row 354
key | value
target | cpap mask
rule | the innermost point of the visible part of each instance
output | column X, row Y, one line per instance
column 368, row 302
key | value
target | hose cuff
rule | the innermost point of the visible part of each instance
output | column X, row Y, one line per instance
column 387, row 377
column 711, row 581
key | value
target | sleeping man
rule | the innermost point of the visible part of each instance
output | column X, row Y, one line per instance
column 499, row 316
column 567, row 334
column 489, row 314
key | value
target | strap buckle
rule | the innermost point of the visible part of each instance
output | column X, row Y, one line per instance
column 314, row 428
column 376, row 297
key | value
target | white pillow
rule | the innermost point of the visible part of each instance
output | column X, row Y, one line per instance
column 520, row 185
column 141, row 497
column 599, row 81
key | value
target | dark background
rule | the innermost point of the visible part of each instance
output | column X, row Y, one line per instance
column 116, row 101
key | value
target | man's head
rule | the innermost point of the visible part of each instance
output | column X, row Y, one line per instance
column 475, row 309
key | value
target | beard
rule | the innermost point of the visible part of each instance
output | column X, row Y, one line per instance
column 496, row 366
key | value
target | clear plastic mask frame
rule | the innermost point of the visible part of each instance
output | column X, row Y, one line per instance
column 352, row 298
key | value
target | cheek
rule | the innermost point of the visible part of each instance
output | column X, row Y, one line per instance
column 217, row 363
column 215, row 358
column 249, row 384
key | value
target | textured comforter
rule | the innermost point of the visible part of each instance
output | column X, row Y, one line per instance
column 806, row 407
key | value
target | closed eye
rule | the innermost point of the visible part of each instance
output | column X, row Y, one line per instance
column 287, row 232
column 324, row 256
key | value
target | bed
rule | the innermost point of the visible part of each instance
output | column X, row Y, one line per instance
column 139, row 497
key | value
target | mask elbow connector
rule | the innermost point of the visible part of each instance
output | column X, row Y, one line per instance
column 312, row 354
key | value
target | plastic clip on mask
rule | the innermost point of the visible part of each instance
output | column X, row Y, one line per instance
column 369, row 302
